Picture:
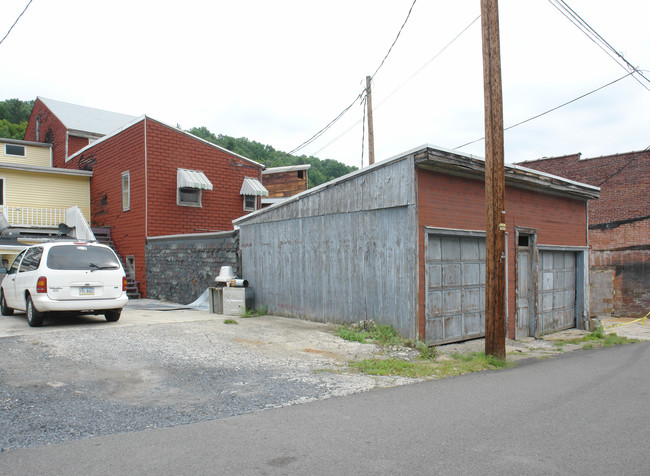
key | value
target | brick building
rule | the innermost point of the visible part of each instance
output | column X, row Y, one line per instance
column 619, row 227
column 402, row 242
column 148, row 179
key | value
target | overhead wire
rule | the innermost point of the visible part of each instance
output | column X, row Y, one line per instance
column 12, row 26
column 394, row 91
column 598, row 39
column 359, row 96
column 551, row 110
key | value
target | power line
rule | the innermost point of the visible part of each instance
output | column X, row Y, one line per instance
column 550, row 110
column 594, row 36
column 395, row 41
column 359, row 96
column 12, row 26
column 394, row 91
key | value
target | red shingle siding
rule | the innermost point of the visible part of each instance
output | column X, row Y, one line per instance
column 168, row 150
column 153, row 210
column 108, row 159
column 447, row 201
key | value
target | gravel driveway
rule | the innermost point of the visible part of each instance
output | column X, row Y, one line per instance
column 81, row 376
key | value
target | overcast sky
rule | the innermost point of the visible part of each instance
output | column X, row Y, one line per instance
column 278, row 71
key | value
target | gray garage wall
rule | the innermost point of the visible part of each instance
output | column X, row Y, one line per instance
column 181, row 267
column 341, row 253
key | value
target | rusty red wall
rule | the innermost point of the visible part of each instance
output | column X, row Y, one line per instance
column 447, row 201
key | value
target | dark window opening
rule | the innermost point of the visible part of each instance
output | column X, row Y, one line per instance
column 300, row 174
column 17, row 150
column 523, row 240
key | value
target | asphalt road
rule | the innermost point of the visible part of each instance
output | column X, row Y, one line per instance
column 577, row 413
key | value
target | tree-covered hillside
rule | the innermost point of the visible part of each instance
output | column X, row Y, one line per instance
column 321, row 171
column 14, row 115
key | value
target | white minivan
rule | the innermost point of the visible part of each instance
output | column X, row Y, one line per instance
column 64, row 277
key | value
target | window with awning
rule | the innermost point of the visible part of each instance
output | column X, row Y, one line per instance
column 193, row 179
column 252, row 188
column 190, row 185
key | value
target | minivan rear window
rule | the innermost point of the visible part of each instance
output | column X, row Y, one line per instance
column 79, row 257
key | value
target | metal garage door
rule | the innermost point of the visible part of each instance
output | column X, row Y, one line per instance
column 455, row 288
column 556, row 291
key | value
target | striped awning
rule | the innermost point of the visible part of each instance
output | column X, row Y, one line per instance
column 192, row 179
column 253, row 186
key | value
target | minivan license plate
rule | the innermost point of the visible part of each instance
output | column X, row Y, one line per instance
column 86, row 291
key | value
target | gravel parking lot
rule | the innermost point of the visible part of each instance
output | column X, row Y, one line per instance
column 82, row 376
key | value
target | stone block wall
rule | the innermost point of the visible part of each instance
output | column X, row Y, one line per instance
column 181, row 267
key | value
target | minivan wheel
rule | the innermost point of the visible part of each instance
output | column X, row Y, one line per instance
column 34, row 318
column 6, row 310
column 113, row 315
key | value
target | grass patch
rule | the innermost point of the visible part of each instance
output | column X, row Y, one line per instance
column 255, row 312
column 598, row 338
column 369, row 333
column 456, row 364
column 230, row 321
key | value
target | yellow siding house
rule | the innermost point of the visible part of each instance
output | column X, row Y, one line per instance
column 34, row 195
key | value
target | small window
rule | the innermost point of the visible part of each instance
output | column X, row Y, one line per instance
column 16, row 263
column 130, row 265
column 189, row 197
column 523, row 241
column 250, row 203
column 300, row 174
column 17, row 150
column 126, row 191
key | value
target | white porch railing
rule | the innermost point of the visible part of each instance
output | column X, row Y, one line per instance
column 29, row 216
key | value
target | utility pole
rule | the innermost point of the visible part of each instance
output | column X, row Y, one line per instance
column 495, row 231
column 371, row 132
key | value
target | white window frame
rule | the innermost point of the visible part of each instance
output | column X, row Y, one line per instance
column 24, row 154
column 126, row 191
column 182, row 203
column 254, row 207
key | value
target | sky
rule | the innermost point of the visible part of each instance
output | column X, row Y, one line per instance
column 278, row 72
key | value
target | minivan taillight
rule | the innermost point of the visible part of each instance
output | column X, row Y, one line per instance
column 41, row 285
column 123, row 283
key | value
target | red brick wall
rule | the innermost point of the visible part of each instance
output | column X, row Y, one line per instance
column 447, row 201
column 624, row 181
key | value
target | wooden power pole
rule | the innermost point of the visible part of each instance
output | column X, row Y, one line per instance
column 495, row 231
column 371, row 132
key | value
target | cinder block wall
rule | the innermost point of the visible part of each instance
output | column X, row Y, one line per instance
column 179, row 269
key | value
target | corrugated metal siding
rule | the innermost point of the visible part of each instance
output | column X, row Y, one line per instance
column 343, row 254
column 383, row 187
column 40, row 190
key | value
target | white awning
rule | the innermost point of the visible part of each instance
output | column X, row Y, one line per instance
column 253, row 186
column 192, row 179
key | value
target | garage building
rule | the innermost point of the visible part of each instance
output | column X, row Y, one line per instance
column 402, row 242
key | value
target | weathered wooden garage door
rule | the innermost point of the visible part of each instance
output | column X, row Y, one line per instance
column 556, row 291
column 455, row 288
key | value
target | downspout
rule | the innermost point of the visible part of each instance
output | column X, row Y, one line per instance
column 146, row 183
column 67, row 135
